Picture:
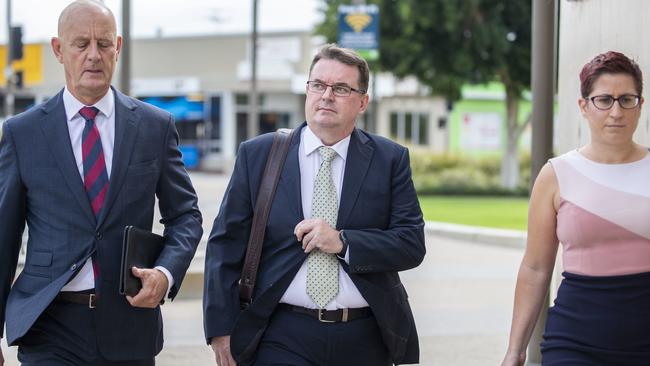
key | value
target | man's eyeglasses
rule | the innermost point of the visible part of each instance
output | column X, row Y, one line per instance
column 340, row 90
column 605, row 102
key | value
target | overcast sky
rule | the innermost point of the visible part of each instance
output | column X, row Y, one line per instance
column 170, row 17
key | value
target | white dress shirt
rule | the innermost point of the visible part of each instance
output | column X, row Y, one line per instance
column 309, row 161
column 105, row 122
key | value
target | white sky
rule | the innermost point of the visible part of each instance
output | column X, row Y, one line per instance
column 170, row 17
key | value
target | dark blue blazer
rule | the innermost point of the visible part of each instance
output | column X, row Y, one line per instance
column 40, row 185
column 381, row 216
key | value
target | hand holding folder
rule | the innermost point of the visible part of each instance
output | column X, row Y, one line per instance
column 140, row 248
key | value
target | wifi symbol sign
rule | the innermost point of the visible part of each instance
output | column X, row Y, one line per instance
column 358, row 21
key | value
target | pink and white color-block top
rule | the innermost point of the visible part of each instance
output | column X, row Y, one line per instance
column 603, row 221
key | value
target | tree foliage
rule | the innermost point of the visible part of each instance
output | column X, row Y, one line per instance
column 447, row 44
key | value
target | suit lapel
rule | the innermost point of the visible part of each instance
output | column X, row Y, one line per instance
column 55, row 132
column 125, row 135
column 356, row 168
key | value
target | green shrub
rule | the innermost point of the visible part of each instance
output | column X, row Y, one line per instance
column 423, row 162
column 463, row 175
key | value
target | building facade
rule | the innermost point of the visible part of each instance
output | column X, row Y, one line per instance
column 204, row 82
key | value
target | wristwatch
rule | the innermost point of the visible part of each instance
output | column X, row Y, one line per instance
column 344, row 240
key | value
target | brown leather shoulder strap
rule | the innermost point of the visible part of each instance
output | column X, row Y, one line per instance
column 272, row 170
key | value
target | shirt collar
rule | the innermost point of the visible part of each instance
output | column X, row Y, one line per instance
column 312, row 143
column 72, row 105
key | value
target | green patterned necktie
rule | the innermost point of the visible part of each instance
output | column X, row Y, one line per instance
column 323, row 268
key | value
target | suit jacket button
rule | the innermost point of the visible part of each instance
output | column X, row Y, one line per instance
column 98, row 236
column 73, row 267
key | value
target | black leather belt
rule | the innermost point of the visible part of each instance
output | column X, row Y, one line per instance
column 77, row 298
column 330, row 316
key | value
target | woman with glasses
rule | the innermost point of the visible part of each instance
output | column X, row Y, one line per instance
column 595, row 200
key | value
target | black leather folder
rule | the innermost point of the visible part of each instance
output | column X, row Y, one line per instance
column 140, row 248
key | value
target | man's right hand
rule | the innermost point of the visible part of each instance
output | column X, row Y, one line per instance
column 221, row 348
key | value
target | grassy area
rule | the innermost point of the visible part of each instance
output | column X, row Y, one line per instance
column 496, row 212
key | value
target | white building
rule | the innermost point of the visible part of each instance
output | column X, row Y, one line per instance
column 205, row 80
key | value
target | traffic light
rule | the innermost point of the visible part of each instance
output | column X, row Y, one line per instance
column 16, row 43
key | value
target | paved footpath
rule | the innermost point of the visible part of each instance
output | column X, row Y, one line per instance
column 461, row 296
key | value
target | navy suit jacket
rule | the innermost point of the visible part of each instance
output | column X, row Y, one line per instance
column 381, row 216
column 40, row 185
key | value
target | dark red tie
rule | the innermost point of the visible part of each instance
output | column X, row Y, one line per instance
column 95, row 174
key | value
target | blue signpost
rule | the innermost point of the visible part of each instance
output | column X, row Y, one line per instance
column 359, row 29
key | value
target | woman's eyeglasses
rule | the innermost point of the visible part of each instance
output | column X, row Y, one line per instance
column 605, row 102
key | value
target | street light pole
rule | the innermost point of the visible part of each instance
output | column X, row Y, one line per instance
column 543, row 88
column 125, row 67
column 253, row 124
column 9, row 72
column 542, row 83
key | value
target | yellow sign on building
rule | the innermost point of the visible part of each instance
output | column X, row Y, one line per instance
column 31, row 64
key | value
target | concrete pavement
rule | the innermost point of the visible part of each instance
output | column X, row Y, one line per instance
column 461, row 294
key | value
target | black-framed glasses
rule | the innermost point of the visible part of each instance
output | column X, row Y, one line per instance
column 340, row 90
column 606, row 101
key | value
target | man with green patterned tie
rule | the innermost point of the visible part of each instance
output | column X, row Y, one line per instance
column 344, row 221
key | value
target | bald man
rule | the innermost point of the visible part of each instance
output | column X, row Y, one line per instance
column 77, row 170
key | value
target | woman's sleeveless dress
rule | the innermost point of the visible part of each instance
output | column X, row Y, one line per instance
column 601, row 314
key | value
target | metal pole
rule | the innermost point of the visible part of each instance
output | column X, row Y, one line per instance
column 9, row 71
column 253, row 124
column 371, row 124
column 374, row 105
column 125, row 67
column 542, row 78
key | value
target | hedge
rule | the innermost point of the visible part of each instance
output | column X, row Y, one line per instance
column 464, row 175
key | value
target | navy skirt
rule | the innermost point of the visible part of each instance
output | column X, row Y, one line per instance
column 599, row 321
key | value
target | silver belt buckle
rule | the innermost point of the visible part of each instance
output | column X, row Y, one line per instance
column 320, row 317
column 344, row 317
column 91, row 301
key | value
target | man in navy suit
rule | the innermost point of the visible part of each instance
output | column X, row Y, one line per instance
column 77, row 169
column 362, row 216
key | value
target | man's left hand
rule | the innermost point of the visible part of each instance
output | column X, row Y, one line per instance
column 154, row 287
column 317, row 234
